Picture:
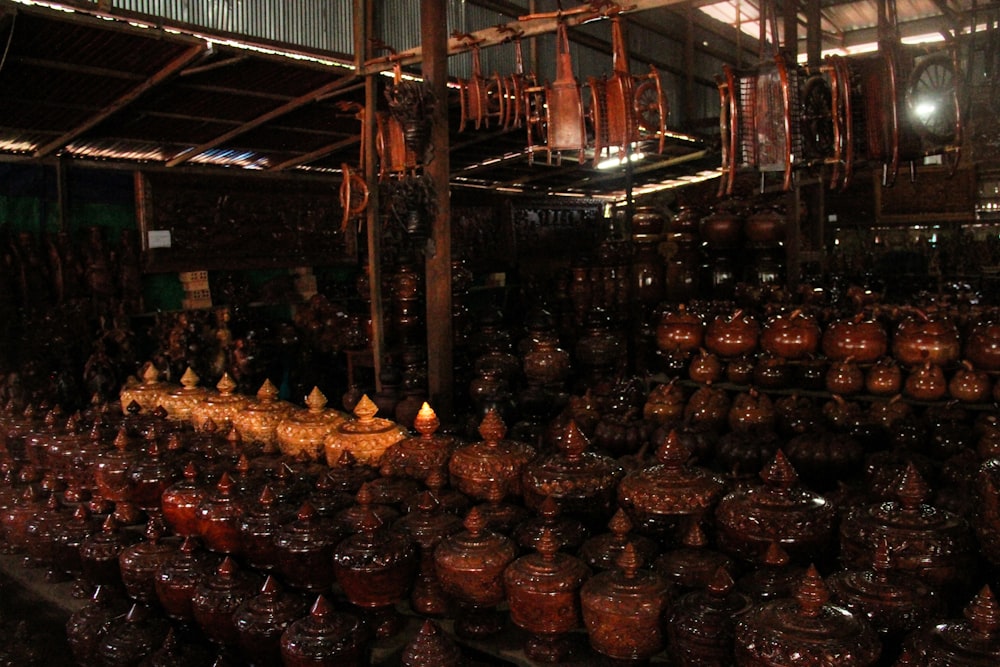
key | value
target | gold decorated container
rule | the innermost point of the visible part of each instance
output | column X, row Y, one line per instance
column 366, row 436
column 258, row 422
column 179, row 402
column 147, row 391
column 221, row 408
column 301, row 432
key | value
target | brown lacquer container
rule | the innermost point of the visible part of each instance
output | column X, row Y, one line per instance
column 493, row 462
column 304, row 550
column 216, row 598
column 180, row 502
column 543, row 593
column 417, row 457
column 219, row 517
column 582, row 482
column 259, row 530
column 568, row 533
column 86, row 627
column 470, row 567
column 140, row 562
column 806, row 630
column 176, row 580
column 179, row 402
column 301, row 432
column 781, row 510
column 426, row 525
column 931, row 544
column 626, row 597
column 694, row 565
column 133, row 639
column 147, row 392
column 326, row 637
column 99, row 555
column 261, row 620
column 702, row 623
column 970, row 642
column 601, row 551
column 375, row 569
column 658, row 496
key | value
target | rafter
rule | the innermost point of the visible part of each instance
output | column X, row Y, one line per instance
column 114, row 107
column 277, row 112
column 306, row 158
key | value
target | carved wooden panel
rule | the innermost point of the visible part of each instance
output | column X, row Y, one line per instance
column 233, row 222
column 560, row 228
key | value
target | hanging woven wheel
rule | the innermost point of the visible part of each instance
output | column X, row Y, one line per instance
column 932, row 100
column 816, row 120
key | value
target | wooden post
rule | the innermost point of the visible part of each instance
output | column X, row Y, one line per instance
column 440, row 371
column 791, row 29
column 362, row 27
column 689, row 110
column 814, row 33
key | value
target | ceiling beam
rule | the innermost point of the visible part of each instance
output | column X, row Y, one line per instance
column 277, row 112
column 656, row 165
column 171, row 68
column 76, row 68
column 323, row 151
column 501, row 34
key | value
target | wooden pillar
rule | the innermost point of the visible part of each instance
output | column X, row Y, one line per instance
column 440, row 370
column 689, row 64
column 362, row 28
column 814, row 33
column 791, row 29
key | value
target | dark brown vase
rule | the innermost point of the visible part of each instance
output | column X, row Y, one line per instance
column 792, row 336
column 806, row 630
column 375, row 569
column 216, row 598
column 694, row 565
column 87, row 626
column 626, row 597
column 982, row 346
column 781, row 510
column 894, row 603
column 774, row 578
column 66, row 545
column 543, row 593
column 601, row 551
column 219, row 517
column 148, row 477
column 259, row 529
column 99, row 555
column 326, row 637
column 568, row 532
column 426, row 525
column 133, row 639
column 261, row 620
column 987, row 515
column 180, row 501
column 494, row 462
column 112, row 467
column 679, row 330
column 140, row 562
column 970, row 642
column 582, row 482
column 856, row 338
column 14, row 519
column 470, row 567
column 721, row 230
column 732, row 336
column 304, row 549
column 177, row 578
column 416, row 457
column 658, row 496
column 931, row 544
column 885, row 378
column 702, row 623
column 920, row 339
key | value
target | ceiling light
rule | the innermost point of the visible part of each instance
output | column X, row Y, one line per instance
column 612, row 162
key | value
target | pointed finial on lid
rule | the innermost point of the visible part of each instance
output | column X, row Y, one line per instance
column 315, row 401
column 366, row 409
column 266, row 497
column 267, row 392
column 209, row 426
column 721, row 582
column 321, row 608
column 672, row 453
column 628, row 561
column 912, row 490
column 271, row 586
column 573, row 443
column 549, row 509
column 190, row 379
column 150, row 373
column 227, row 568
column 190, row 471
column 983, row 613
column 427, row 501
column 475, row 522
column 492, row 429
column 364, row 495
column 547, row 544
column 694, row 536
column 426, row 422
column 225, row 484
column 226, row 384
column 620, row 525
column 812, row 593
column 306, row 512
column 776, row 555
column 779, row 472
